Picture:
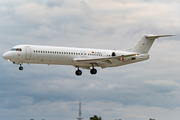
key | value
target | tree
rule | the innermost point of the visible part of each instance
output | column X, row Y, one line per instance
column 95, row 118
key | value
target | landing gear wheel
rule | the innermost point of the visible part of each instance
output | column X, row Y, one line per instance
column 93, row 71
column 78, row 72
column 20, row 68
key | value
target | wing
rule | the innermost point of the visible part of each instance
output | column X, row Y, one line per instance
column 98, row 61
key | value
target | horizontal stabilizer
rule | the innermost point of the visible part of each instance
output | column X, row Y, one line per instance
column 157, row 36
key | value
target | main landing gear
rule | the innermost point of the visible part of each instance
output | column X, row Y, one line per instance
column 92, row 71
column 20, row 68
column 78, row 72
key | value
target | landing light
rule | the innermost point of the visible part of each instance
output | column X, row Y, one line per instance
column 9, row 60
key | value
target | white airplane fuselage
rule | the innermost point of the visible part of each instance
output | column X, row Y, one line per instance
column 86, row 58
column 52, row 55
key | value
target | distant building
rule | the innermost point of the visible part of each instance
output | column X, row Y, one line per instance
column 80, row 118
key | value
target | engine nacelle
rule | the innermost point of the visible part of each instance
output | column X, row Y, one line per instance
column 140, row 57
column 113, row 54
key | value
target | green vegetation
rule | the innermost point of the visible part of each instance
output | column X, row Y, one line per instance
column 95, row 118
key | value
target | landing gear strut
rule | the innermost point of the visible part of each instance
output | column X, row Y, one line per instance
column 20, row 68
column 78, row 72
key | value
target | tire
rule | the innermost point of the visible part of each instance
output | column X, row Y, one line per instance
column 78, row 72
column 21, row 68
column 93, row 71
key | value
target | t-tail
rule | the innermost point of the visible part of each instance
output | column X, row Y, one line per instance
column 145, row 43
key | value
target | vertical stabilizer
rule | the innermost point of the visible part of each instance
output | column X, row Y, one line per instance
column 145, row 43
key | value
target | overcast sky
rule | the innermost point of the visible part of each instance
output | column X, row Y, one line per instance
column 149, row 89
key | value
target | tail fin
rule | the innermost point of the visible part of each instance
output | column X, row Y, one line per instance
column 145, row 43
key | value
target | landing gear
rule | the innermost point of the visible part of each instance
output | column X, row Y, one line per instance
column 20, row 68
column 93, row 71
column 78, row 72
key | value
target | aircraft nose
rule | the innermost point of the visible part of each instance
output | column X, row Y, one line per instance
column 6, row 56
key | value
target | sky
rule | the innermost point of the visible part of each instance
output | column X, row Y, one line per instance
column 139, row 91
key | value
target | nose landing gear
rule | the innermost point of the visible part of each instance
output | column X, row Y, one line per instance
column 20, row 68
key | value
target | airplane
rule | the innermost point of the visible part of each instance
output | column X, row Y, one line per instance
column 85, row 58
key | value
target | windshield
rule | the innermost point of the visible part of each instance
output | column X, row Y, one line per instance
column 16, row 49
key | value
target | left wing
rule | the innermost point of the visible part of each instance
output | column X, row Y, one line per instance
column 105, row 59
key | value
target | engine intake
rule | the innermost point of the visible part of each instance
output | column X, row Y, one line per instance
column 113, row 54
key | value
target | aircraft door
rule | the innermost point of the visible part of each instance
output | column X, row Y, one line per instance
column 28, row 52
column 104, row 54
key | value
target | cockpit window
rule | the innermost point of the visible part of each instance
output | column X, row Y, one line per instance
column 16, row 49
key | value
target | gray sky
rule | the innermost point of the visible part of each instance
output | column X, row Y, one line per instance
column 149, row 89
